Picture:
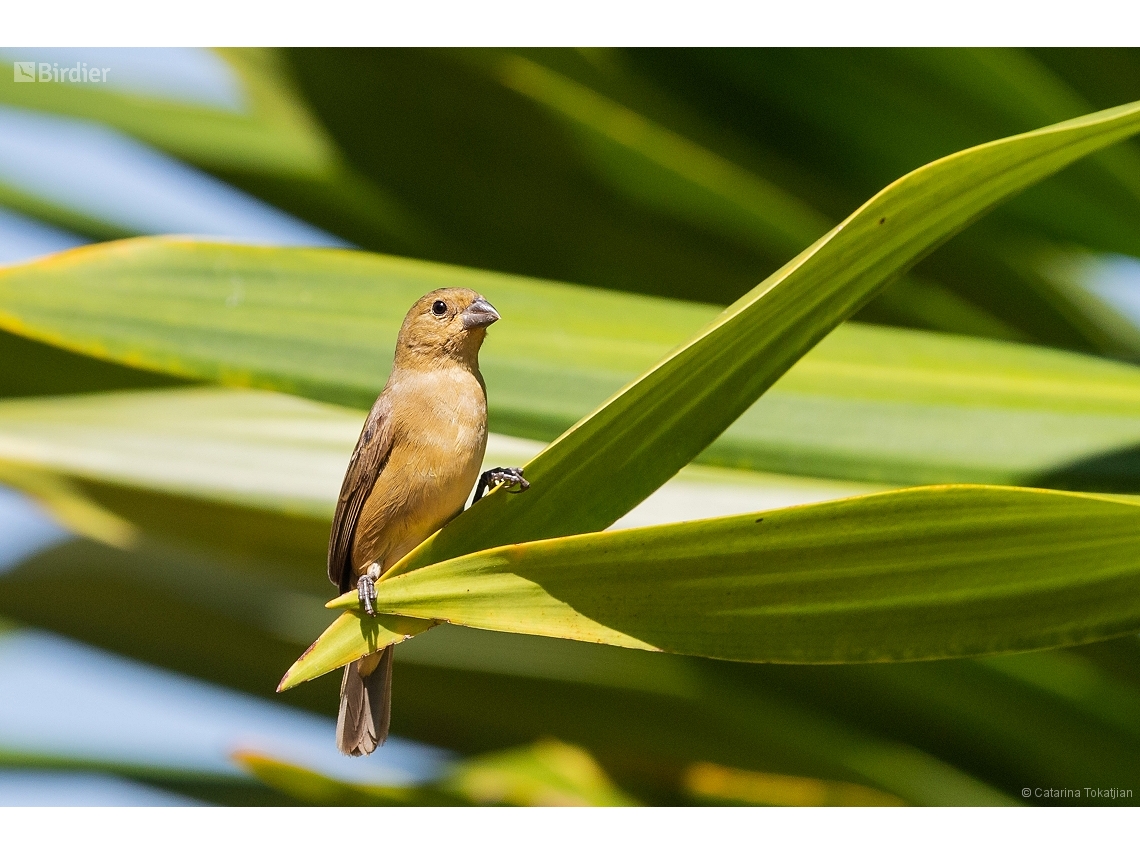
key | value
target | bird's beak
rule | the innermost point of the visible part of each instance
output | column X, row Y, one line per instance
column 479, row 314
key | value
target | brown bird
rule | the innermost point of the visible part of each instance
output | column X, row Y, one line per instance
column 411, row 472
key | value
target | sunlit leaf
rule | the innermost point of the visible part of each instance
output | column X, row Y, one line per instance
column 232, row 566
column 278, row 453
column 923, row 573
column 664, row 170
column 868, row 403
column 624, row 450
column 228, row 621
column 577, row 188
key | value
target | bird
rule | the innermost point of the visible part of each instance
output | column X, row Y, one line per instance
column 412, row 469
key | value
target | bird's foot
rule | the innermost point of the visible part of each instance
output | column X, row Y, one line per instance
column 510, row 478
column 366, row 589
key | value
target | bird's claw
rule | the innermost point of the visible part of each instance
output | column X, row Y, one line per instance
column 510, row 478
column 366, row 590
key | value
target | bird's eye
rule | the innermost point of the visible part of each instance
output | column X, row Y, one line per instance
column 439, row 308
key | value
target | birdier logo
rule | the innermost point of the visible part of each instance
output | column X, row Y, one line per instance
column 50, row 72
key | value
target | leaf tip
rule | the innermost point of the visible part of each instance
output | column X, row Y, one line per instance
column 291, row 679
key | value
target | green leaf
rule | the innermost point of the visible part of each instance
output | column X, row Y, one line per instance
column 31, row 369
column 874, row 403
column 619, row 459
column 531, row 207
column 663, row 168
column 946, row 99
column 624, row 705
column 277, row 453
column 587, row 185
column 241, row 447
column 1067, row 675
column 1040, row 712
column 868, row 403
column 348, row 635
column 914, row 574
column 323, row 323
column 818, row 116
column 666, row 171
column 448, row 678
column 623, row 451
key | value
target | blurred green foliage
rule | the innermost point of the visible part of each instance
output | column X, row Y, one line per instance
column 687, row 174
column 719, row 165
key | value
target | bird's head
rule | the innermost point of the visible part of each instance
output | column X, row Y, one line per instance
column 447, row 324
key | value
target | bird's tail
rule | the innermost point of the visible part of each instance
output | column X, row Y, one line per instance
column 365, row 704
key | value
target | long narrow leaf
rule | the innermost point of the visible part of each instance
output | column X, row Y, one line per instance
column 666, row 171
column 281, row 454
column 914, row 574
column 625, row 450
column 635, row 442
column 624, row 705
column 867, row 403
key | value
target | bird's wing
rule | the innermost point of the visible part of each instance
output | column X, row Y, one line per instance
column 368, row 459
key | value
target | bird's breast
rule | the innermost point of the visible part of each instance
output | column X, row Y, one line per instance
column 440, row 436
